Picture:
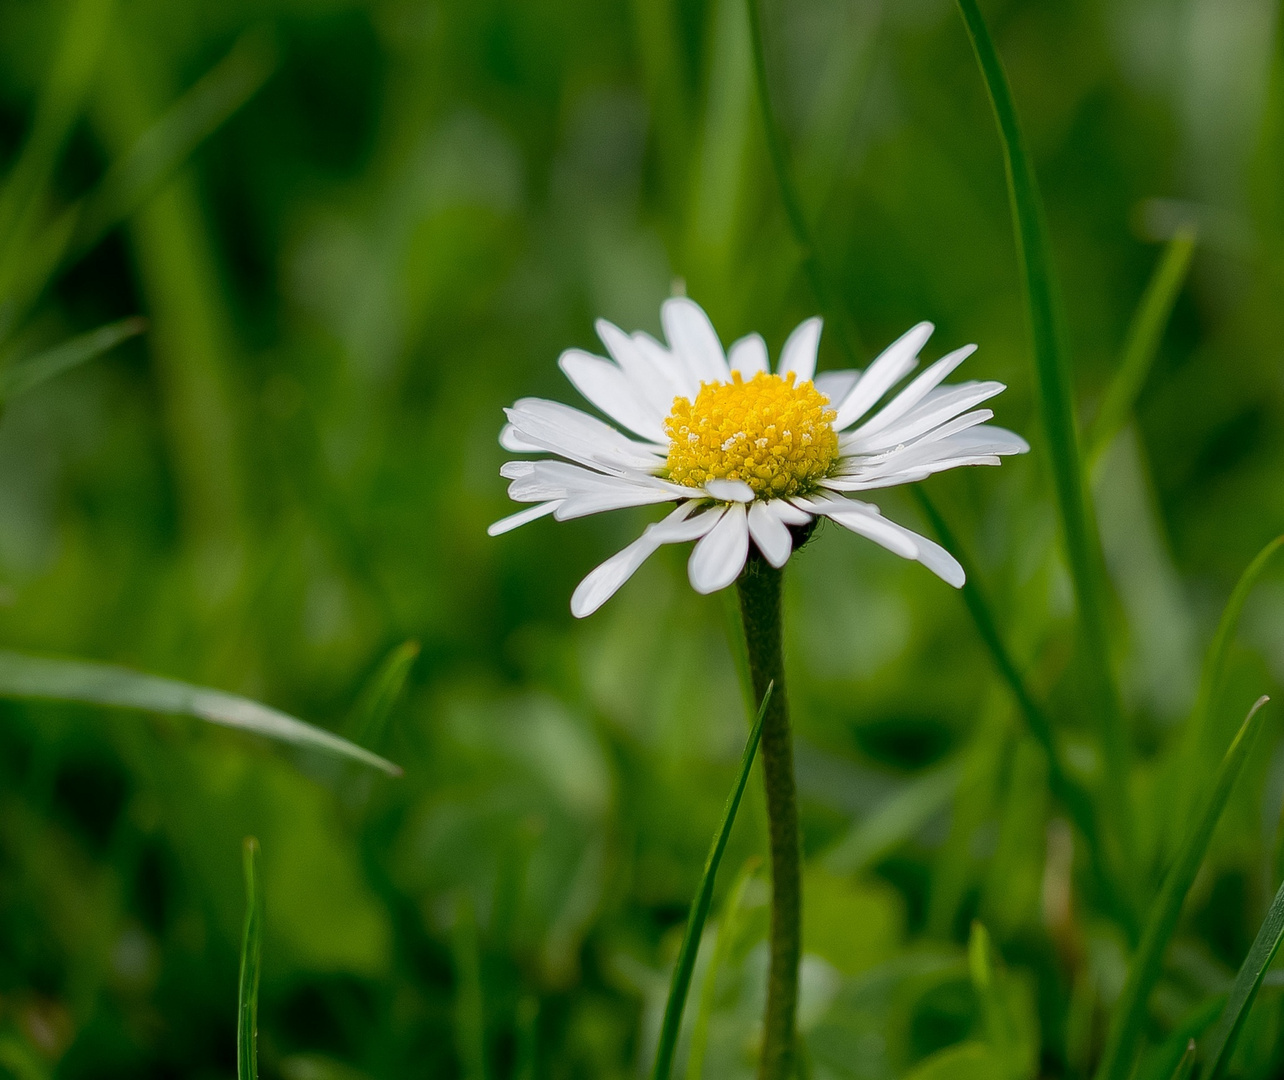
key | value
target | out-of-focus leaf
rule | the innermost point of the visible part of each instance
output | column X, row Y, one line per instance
column 470, row 1002
column 966, row 1061
column 23, row 676
column 899, row 819
column 247, row 998
column 169, row 142
column 1142, row 344
column 1199, row 743
column 700, row 908
column 1186, row 1065
column 370, row 719
column 1129, row 1017
column 1221, row 1041
column 31, row 371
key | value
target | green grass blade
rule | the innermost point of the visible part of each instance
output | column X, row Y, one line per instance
column 23, row 676
column 721, row 950
column 370, row 717
column 1142, row 344
column 68, row 78
column 700, row 908
column 1199, row 743
column 470, row 1003
column 1244, row 990
column 816, row 277
column 898, row 819
column 247, row 997
column 1056, row 402
column 1129, row 1017
column 1186, row 1065
column 32, row 370
column 163, row 147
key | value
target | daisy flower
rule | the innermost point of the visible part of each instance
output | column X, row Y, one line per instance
column 750, row 456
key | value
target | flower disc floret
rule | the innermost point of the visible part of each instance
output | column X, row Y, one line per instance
column 775, row 436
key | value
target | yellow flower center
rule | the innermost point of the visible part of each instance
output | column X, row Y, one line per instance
column 776, row 437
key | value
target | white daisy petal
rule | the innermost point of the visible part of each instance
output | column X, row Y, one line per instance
column 770, row 533
column 934, row 411
column 729, row 490
column 799, row 353
column 570, row 433
column 789, row 512
column 653, row 371
column 893, row 364
column 538, row 481
column 511, row 440
column 605, row 581
column 748, row 356
column 836, row 385
column 607, row 387
column 720, row 556
column 693, row 339
column 522, row 517
column 868, row 521
column 679, row 372
column 915, row 392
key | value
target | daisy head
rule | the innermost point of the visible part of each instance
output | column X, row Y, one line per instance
column 751, row 457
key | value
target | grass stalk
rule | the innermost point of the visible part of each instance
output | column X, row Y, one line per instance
column 247, row 998
column 1056, row 402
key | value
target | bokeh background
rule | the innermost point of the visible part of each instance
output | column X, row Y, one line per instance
column 394, row 216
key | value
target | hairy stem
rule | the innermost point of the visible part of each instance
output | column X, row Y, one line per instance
column 759, row 588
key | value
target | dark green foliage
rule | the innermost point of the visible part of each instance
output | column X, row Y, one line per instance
column 354, row 230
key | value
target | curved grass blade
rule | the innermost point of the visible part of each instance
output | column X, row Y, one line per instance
column 23, row 676
column 470, row 1004
column 700, row 908
column 1244, row 989
column 32, row 370
column 789, row 195
column 1142, row 344
column 381, row 694
column 1164, row 1061
column 247, row 997
column 1056, row 403
column 169, row 142
column 899, row 818
column 1198, row 744
column 1186, row 1065
column 721, row 949
column 1130, row 1013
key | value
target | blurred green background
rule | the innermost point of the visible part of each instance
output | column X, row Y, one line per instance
column 393, row 216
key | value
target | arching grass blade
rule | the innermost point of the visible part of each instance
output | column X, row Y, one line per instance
column 1141, row 345
column 370, row 719
column 247, row 997
column 1130, row 1013
column 23, row 676
column 1198, row 743
column 1186, row 1065
column 700, row 908
column 31, row 371
column 1056, row 405
column 1244, row 990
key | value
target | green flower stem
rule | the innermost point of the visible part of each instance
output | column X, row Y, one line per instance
column 759, row 587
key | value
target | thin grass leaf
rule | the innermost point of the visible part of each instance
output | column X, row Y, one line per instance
column 1129, row 1017
column 370, row 717
column 1244, row 989
column 700, row 908
column 1199, row 744
column 1141, row 345
column 1056, row 404
column 247, row 997
column 816, row 277
column 1163, row 1061
column 23, row 676
column 169, row 142
column 69, row 76
column 898, row 819
column 1186, row 1065
column 33, row 370
column 470, row 1005
column 721, row 950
